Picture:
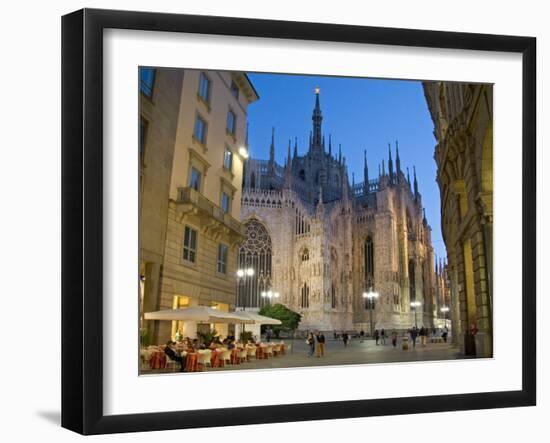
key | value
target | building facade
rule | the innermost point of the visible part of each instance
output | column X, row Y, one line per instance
column 321, row 243
column 463, row 127
column 192, row 126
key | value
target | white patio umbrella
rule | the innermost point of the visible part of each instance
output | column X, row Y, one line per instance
column 200, row 314
column 257, row 318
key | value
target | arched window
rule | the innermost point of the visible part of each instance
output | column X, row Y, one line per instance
column 333, row 296
column 412, row 281
column 369, row 262
column 305, row 254
column 304, row 302
column 302, row 174
column 254, row 253
column 410, row 226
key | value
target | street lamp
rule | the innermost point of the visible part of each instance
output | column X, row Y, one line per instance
column 243, row 152
column 269, row 295
column 445, row 309
column 371, row 296
column 415, row 305
column 242, row 274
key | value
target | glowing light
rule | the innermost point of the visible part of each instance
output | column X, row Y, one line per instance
column 243, row 152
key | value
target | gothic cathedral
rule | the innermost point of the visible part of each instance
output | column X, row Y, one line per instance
column 321, row 244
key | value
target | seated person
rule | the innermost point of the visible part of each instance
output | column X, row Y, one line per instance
column 173, row 355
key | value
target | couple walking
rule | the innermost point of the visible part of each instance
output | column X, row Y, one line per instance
column 316, row 342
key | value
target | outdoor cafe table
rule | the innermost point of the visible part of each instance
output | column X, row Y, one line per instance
column 157, row 360
column 215, row 360
column 192, row 363
column 235, row 356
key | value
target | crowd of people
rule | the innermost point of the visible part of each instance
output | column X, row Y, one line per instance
column 178, row 350
column 380, row 336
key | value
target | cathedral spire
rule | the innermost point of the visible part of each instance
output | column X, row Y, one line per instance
column 383, row 167
column 272, row 147
column 340, row 153
column 317, row 119
column 323, row 143
column 366, row 173
column 415, row 183
column 288, row 168
column 295, row 147
column 390, row 163
column 408, row 177
column 288, row 157
column 330, row 145
column 397, row 159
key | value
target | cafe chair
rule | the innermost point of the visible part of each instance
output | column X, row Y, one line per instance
column 204, row 358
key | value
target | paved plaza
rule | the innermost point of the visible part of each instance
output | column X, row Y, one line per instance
column 356, row 352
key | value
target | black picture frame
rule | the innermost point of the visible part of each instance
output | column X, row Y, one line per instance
column 82, row 218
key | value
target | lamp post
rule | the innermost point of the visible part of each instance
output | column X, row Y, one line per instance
column 371, row 296
column 445, row 309
column 242, row 275
column 415, row 305
column 269, row 295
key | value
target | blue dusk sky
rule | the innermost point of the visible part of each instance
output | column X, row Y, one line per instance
column 360, row 114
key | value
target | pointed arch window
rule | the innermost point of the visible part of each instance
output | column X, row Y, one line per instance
column 255, row 253
column 304, row 302
column 369, row 262
column 305, row 254
column 333, row 296
column 412, row 281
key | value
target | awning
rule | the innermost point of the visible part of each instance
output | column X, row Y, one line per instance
column 200, row 314
column 257, row 318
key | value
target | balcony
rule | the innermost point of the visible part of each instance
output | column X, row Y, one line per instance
column 211, row 217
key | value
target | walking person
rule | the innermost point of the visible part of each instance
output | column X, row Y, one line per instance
column 376, row 336
column 362, row 335
column 268, row 334
column 345, row 338
column 394, row 339
column 383, row 336
column 414, row 334
column 320, row 344
column 423, row 335
column 311, row 344
column 445, row 333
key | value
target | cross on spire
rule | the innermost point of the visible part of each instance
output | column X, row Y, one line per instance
column 317, row 119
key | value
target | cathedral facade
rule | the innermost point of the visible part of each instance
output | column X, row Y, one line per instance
column 318, row 243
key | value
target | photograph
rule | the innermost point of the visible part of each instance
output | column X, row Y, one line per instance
column 302, row 220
